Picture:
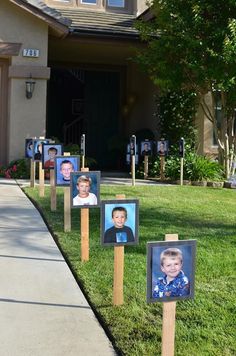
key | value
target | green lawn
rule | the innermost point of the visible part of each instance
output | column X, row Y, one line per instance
column 204, row 325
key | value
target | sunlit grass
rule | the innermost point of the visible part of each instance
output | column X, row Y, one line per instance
column 205, row 325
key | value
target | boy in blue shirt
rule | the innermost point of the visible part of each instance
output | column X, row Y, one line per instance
column 174, row 283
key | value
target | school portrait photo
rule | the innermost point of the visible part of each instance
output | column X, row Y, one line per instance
column 85, row 189
column 170, row 270
column 64, row 166
column 119, row 222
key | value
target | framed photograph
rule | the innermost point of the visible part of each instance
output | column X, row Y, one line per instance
column 64, row 166
column 82, row 145
column 181, row 147
column 162, row 147
column 38, row 149
column 146, row 148
column 119, row 222
column 170, row 270
column 128, row 156
column 29, row 148
column 85, row 189
column 50, row 151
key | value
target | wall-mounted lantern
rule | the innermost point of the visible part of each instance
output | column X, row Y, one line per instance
column 29, row 87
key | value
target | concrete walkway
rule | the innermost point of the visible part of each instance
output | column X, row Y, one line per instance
column 42, row 310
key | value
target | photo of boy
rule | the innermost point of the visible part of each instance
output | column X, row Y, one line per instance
column 38, row 149
column 146, row 149
column 85, row 189
column 64, row 166
column 162, row 147
column 173, row 283
column 170, row 270
column 49, row 153
column 28, row 148
column 119, row 222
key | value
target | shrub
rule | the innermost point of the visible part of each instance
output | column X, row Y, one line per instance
column 16, row 169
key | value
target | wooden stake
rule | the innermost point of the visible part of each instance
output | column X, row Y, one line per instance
column 133, row 169
column 168, row 319
column 32, row 173
column 118, row 298
column 82, row 162
column 145, row 167
column 67, row 208
column 53, row 191
column 41, row 180
column 181, row 170
column 84, row 222
column 162, row 162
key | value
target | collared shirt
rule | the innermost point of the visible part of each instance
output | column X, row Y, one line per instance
column 178, row 287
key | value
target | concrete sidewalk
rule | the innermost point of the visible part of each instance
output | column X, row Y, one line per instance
column 42, row 310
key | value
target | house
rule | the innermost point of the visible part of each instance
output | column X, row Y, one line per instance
column 78, row 54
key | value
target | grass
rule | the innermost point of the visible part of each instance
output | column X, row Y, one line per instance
column 205, row 325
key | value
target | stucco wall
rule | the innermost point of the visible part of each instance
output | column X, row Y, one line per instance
column 26, row 117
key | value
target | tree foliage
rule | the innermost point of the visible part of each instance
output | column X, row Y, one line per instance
column 191, row 45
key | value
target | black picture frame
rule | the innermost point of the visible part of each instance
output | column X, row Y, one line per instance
column 92, row 179
column 158, row 290
column 72, row 164
column 128, row 234
column 47, row 147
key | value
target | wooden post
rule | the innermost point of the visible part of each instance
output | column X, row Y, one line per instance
column 84, row 222
column 181, row 170
column 82, row 162
column 32, row 173
column 67, row 210
column 67, row 207
column 53, row 191
column 145, row 167
column 41, row 180
column 133, row 169
column 118, row 298
column 162, row 162
column 168, row 319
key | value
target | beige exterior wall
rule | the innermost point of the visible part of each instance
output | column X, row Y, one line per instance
column 26, row 117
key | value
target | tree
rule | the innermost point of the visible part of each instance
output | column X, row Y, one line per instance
column 191, row 45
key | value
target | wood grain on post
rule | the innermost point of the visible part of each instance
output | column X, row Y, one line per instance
column 181, row 170
column 84, row 222
column 32, row 173
column 162, row 162
column 145, row 167
column 133, row 169
column 53, row 191
column 41, row 180
column 168, row 319
column 67, row 209
column 118, row 298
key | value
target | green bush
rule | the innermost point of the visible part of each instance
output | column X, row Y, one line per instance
column 19, row 168
column 196, row 167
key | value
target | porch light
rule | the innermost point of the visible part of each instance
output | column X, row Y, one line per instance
column 29, row 87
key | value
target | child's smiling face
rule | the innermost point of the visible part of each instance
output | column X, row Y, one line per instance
column 119, row 218
column 171, row 267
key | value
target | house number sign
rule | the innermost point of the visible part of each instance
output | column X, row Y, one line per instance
column 31, row 52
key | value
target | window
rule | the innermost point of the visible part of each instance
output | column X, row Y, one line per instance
column 116, row 3
column 89, row 2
